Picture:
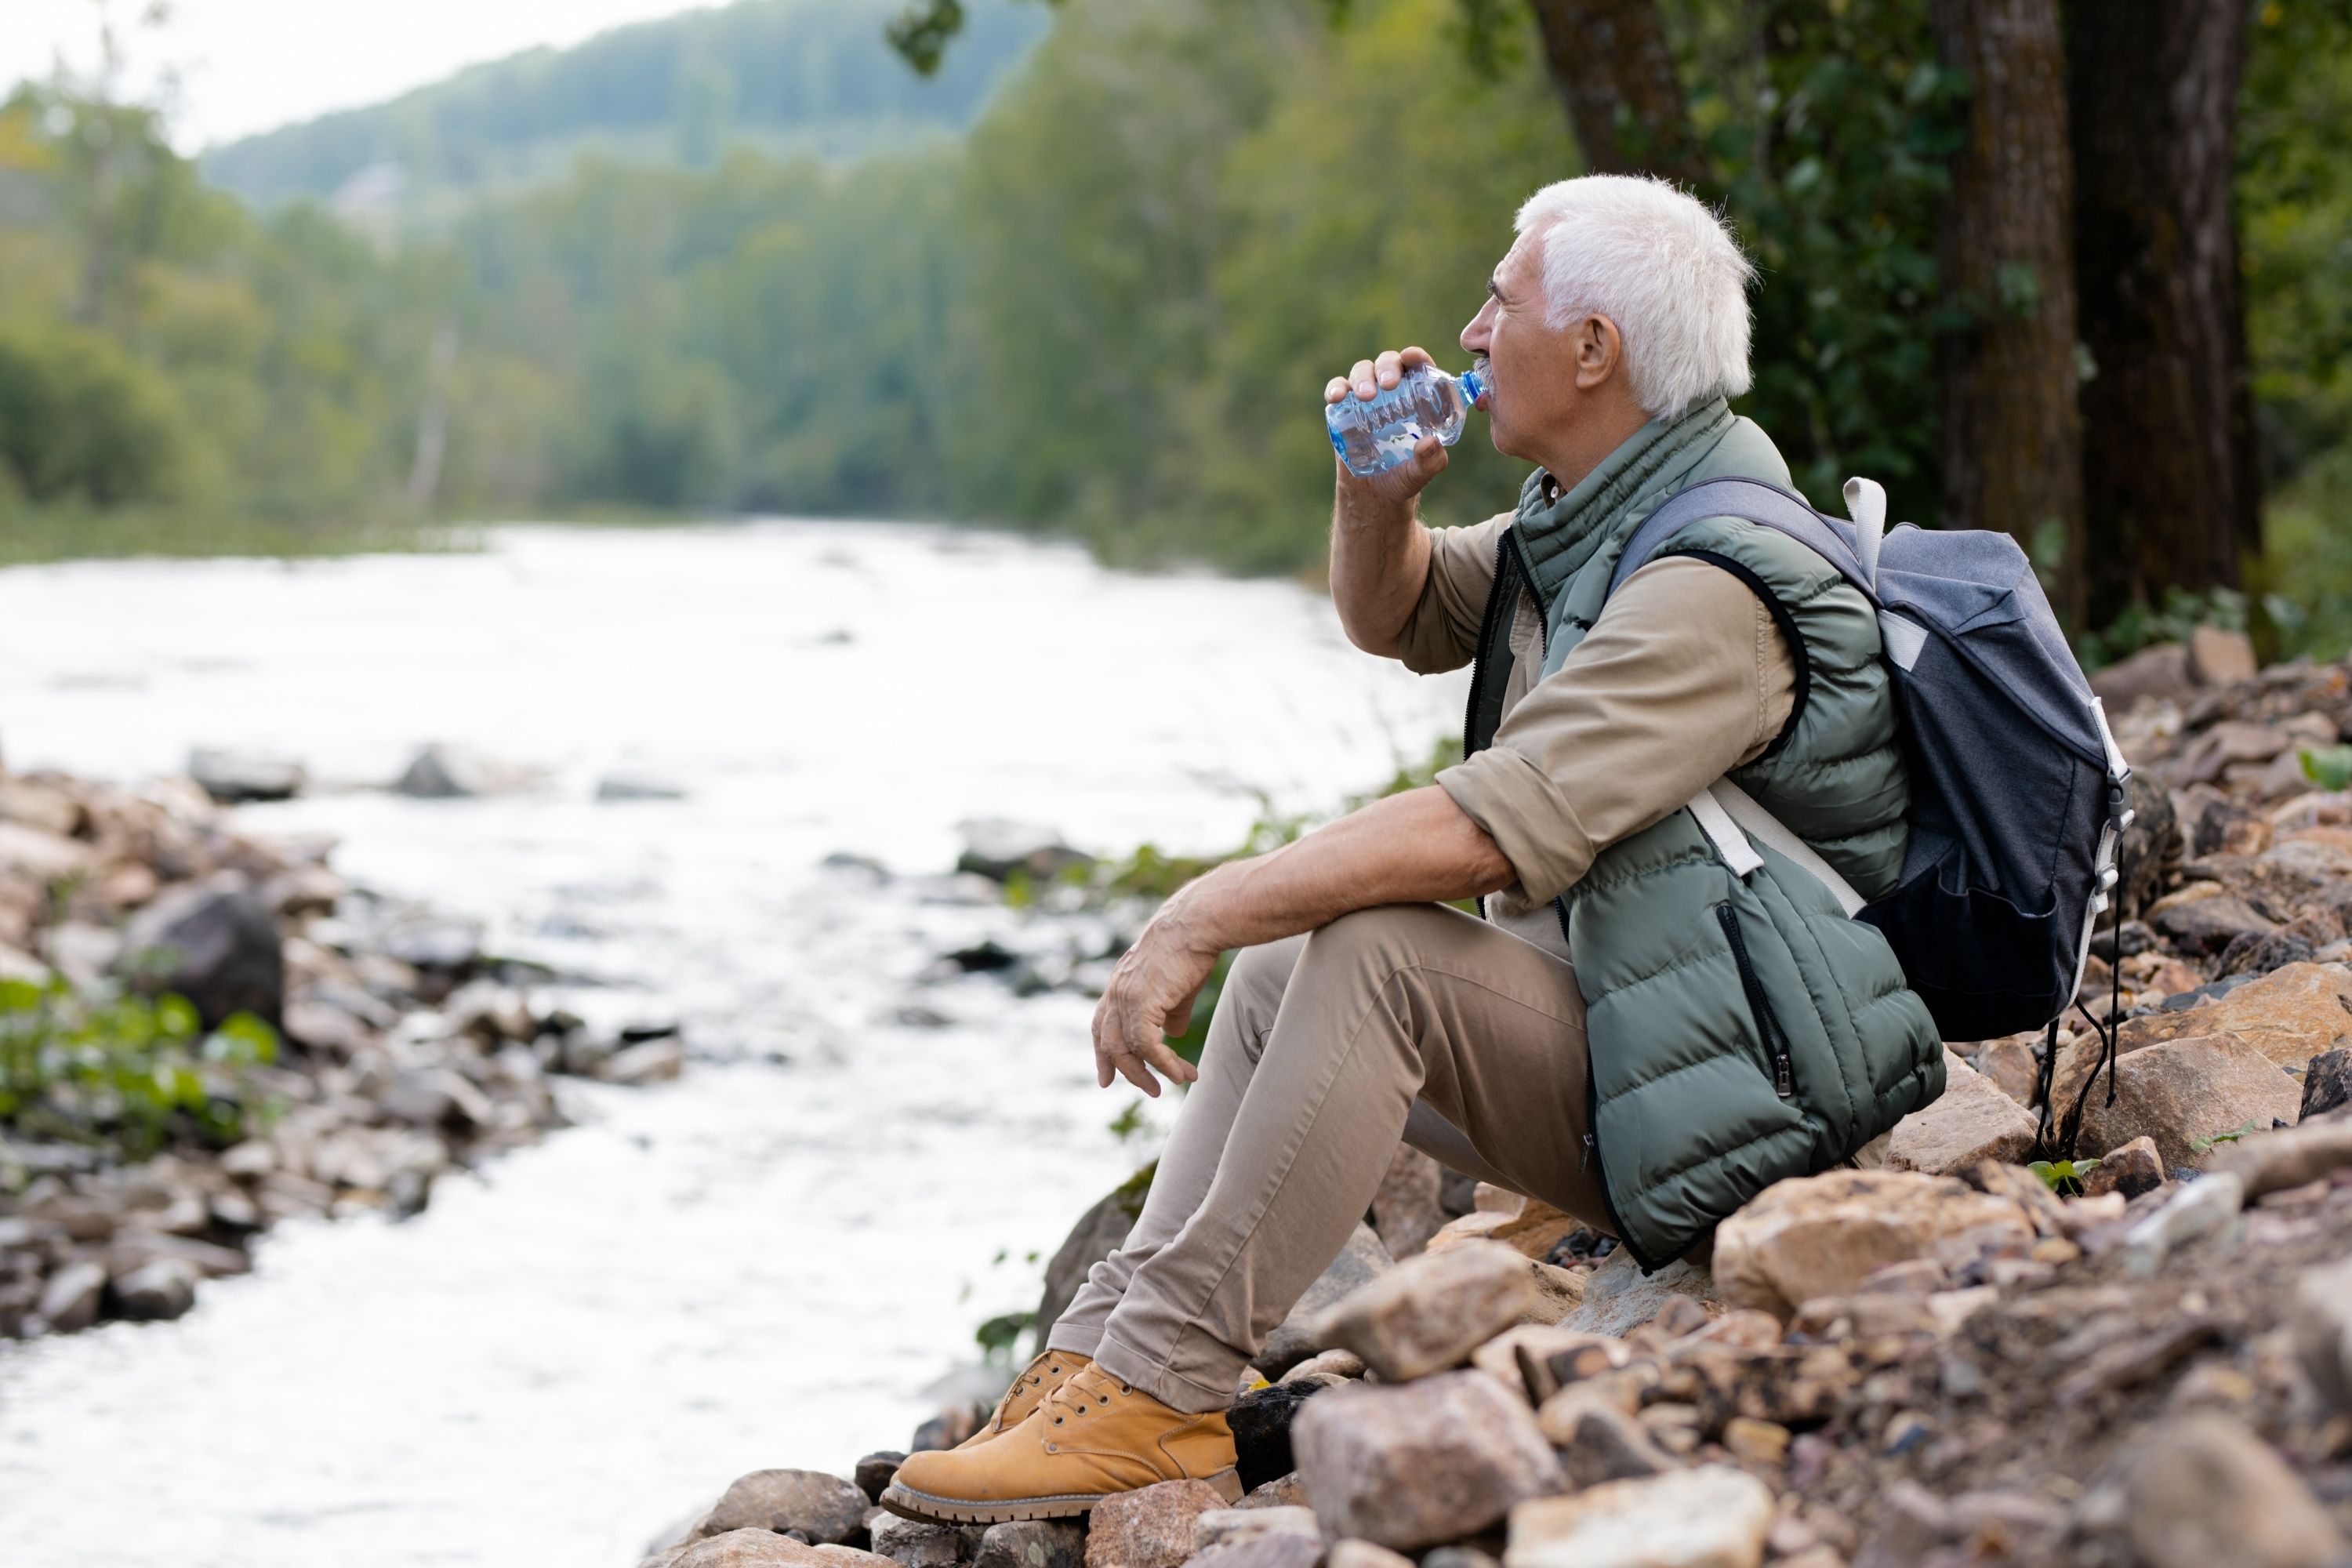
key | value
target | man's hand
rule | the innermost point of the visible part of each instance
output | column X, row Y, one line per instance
column 1396, row 486
column 1151, row 996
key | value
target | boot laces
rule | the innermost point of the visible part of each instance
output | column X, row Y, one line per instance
column 1072, row 1399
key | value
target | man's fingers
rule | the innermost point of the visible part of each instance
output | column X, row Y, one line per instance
column 1163, row 1056
column 1135, row 1073
column 1413, row 356
column 1386, row 367
column 1335, row 389
column 1362, row 378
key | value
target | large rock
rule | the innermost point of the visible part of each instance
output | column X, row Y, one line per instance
column 453, row 773
column 2290, row 1015
column 751, row 1548
column 811, row 1504
column 2203, row 1489
column 163, row 1289
column 2158, row 671
column 1822, row 1235
column 230, row 777
column 2327, row 1084
column 1428, row 1313
column 70, row 1298
column 219, row 949
column 1619, row 1298
column 2184, row 1090
column 1032, row 1543
column 918, row 1543
column 1971, row 1121
column 1433, row 1461
column 2206, row 925
column 1712, row 1516
column 1296, row 1338
column 1603, row 1443
column 2219, row 657
column 1261, row 1422
column 1149, row 1528
column 998, row 848
column 39, row 855
column 1100, row 1231
column 1409, row 1206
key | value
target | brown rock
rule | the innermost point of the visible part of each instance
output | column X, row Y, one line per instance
column 809, row 1503
column 2010, row 1064
column 1282, row 1491
column 2208, row 925
column 1821, row 1236
column 873, row 1472
column 2290, row 1015
column 2159, row 671
column 1507, row 1356
column 2184, row 1089
column 1430, row 1312
column 1271, row 1549
column 2204, row 1489
column 2218, row 657
column 2230, row 742
column 1032, row 1543
column 1149, row 1528
column 1226, row 1526
column 2132, row 1169
column 1409, row 1207
column 1364, row 1555
column 2275, row 1162
column 1972, row 1121
column 1326, row 1363
column 1299, row 1336
column 1431, row 1461
column 1754, row 1442
column 2320, row 1315
column 1601, row 1443
column 750, row 1548
column 1711, row 1517
column 918, row 1543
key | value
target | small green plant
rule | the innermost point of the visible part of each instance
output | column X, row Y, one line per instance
column 2064, row 1177
column 1130, row 1124
column 2329, row 767
column 1001, row 1333
column 125, row 1071
column 2205, row 1143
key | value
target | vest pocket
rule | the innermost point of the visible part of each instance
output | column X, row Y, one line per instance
column 1768, row 1033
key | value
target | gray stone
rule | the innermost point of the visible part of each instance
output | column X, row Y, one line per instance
column 1268, row 1549
column 1226, row 1526
column 2159, row 670
column 1151, row 1527
column 1032, row 1543
column 1365, row 1554
column 163, row 1289
column 1098, row 1233
column 230, row 777
column 2326, row 1083
column 998, row 848
column 2204, row 1489
column 437, row 1098
column 453, row 773
column 1711, row 1517
column 219, row 949
column 1362, row 1260
column 630, row 784
column 1410, row 1206
column 2320, row 1314
column 2206, row 926
column 817, row 1507
column 69, row 1300
column 1428, row 1313
column 2208, row 1206
column 914, row 1544
column 655, row 1061
column 1430, row 1461
column 874, row 1470
column 1619, row 1298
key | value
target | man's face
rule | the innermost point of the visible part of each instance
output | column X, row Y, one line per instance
column 1531, row 364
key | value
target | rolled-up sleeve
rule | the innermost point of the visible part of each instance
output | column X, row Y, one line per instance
column 1442, row 633
column 1684, row 678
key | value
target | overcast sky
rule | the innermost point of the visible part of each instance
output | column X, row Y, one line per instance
column 248, row 64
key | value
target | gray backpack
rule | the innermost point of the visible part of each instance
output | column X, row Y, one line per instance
column 2018, row 796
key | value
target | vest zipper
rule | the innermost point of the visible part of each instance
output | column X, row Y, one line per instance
column 1775, row 1042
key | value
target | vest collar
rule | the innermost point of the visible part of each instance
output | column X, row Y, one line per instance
column 1558, row 536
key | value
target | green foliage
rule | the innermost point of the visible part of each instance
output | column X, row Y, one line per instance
column 2329, row 767
column 80, row 419
column 125, row 1072
column 2064, row 1177
column 2213, row 1140
column 2182, row 613
column 999, row 1334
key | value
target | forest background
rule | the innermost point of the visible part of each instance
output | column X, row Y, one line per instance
column 1092, row 275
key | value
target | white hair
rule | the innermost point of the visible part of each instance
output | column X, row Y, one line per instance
column 1659, row 265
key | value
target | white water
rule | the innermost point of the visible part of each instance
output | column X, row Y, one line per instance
column 765, row 1263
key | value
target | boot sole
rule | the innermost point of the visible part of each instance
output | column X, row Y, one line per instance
column 908, row 1503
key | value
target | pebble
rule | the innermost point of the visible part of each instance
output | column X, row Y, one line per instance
column 1598, row 1442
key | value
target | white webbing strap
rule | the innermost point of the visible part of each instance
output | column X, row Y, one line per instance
column 1729, row 815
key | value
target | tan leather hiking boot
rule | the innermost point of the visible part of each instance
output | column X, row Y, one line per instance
column 1047, row 1373
column 1090, row 1439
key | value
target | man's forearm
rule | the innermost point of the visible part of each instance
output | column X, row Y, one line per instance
column 1414, row 847
column 1380, row 562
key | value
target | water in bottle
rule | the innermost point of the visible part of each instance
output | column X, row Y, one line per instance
column 1426, row 401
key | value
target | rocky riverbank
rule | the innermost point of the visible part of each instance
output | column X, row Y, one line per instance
column 1941, row 1357
column 329, row 1050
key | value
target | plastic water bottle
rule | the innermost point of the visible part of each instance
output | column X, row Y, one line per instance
column 1376, row 435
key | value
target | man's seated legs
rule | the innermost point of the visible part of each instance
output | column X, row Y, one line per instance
column 1319, row 1050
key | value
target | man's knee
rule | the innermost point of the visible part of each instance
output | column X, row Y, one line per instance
column 1253, row 988
column 1379, row 942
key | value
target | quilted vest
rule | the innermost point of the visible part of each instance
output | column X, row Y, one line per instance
column 1741, row 1029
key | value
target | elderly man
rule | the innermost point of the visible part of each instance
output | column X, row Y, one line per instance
column 1636, row 1032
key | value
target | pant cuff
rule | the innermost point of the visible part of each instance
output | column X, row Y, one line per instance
column 1076, row 1338
column 1163, row 1383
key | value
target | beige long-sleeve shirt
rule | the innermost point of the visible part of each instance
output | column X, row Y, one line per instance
column 1683, row 678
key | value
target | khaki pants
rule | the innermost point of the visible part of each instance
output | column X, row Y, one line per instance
column 1413, row 1021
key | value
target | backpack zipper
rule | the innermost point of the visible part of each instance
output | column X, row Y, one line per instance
column 1775, row 1041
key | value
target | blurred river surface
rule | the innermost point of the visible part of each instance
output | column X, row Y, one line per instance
column 764, row 1264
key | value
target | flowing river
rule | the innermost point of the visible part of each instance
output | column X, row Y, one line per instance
column 770, row 1261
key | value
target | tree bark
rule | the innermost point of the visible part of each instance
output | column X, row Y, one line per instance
column 1615, row 72
column 2169, row 477
column 2012, row 440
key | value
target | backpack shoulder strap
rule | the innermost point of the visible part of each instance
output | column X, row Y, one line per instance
column 1750, row 501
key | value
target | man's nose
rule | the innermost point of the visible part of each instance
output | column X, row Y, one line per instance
column 1475, row 335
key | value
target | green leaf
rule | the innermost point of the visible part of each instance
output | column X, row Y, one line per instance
column 2329, row 767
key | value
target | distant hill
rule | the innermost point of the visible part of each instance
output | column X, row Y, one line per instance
column 791, row 76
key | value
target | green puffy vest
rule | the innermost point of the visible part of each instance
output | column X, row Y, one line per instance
column 1741, row 1029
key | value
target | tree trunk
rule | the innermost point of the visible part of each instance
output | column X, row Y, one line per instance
column 2169, row 459
column 2012, row 424
column 1614, row 73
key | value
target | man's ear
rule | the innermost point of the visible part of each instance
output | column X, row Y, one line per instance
column 1598, row 351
